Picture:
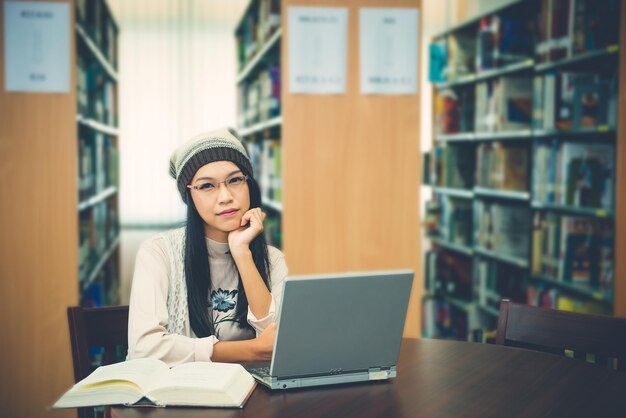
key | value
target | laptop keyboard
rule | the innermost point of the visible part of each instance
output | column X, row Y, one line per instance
column 261, row 371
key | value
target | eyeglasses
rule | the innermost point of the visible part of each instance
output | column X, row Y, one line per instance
column 234, row 183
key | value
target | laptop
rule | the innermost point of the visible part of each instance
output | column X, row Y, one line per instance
column 338, row 328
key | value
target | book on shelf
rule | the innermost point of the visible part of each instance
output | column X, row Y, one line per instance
column 461, row 54
column 271, row 170
column 580, row 100
column 272, row 230
column 151, row 382
column 587, row 175
column 448, row 274
column 455, row 223
column 502, row 229
column 257, row 26
column 573, row 249
column 546, row 296
column 502, row 166
column 486, row 55
column 438, row 59
column 453, row 165
column 454, row 111
column 573, row 101
column 504, row 104
column 579, row 175
column 432, row 218
column 571, row 27
column 497, row 281
column 258, row 98
column 594, row 27
column 441, row 320
column 580, row 250
column 591, row 105
column 503, row 39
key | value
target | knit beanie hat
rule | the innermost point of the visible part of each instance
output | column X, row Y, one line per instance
column 220, row 145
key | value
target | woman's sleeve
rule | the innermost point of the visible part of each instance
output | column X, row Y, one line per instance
column 148, row 317
column 278, row 272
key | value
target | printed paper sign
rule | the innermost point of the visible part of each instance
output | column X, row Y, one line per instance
column 317, row 49
column 388, row 40
column 36, row 47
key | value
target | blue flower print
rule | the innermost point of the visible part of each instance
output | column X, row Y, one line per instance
column 223, row 300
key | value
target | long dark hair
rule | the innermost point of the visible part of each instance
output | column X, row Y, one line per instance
column 198, row 274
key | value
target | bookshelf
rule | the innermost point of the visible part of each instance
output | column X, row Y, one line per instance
column 529, row 133
column 331, row 211
column 41, row 207
column 98, row 153
column 258, row 36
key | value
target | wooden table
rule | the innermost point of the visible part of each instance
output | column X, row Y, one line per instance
column 444, row 379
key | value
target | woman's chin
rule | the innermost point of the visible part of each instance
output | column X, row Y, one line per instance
column 231, row 225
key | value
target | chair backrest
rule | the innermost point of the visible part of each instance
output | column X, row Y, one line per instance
column 102, row 329
column 556, row 331
column 96, row 328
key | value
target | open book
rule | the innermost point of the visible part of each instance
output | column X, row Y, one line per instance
column 150, row 381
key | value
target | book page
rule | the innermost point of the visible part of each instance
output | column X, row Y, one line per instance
column 206, row 375
column 142, row 372
column 203, row 383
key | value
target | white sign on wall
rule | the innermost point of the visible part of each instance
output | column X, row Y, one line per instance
column 317, row 49
column 36, row 47
column 388, row 40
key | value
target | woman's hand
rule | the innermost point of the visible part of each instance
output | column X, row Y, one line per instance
column 264, row 343
column 256, row 349
column 251, row 226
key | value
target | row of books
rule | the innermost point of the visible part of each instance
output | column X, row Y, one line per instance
column 557, row 30
column 503, row 104
column 96, row 92
column 566, row 100
column 258, row 25
column 496, row 281
column 258, row 99
column 454, row 111
column 439, row 320
column 491, row 106
column 454, row 220
column 550, row 297
column 495, row 41
column 272, row 230
column 574, row 174
column 266, row 158
column 502, row 228
column 561, row 100
column 453, row 165
column 103, row 291
column 502, row 166
column 570, row 27
column 448, row 274
column 574, row 249
column 98, row 163
column 98, row 228
column 95, row 17
column 502, row 39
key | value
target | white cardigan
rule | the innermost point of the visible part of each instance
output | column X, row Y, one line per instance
column 158, row 324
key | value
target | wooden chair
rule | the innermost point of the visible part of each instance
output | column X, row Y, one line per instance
column 96, row 328
column 550, row 330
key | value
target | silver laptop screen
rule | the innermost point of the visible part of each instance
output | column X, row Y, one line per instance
column 331, row 324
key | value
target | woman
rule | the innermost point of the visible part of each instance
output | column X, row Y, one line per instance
column 208, row 291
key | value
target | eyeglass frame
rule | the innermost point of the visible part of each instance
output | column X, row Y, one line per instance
column 217, row 184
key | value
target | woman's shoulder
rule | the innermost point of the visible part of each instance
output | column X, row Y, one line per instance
column 274, row 253
column 159, row 243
